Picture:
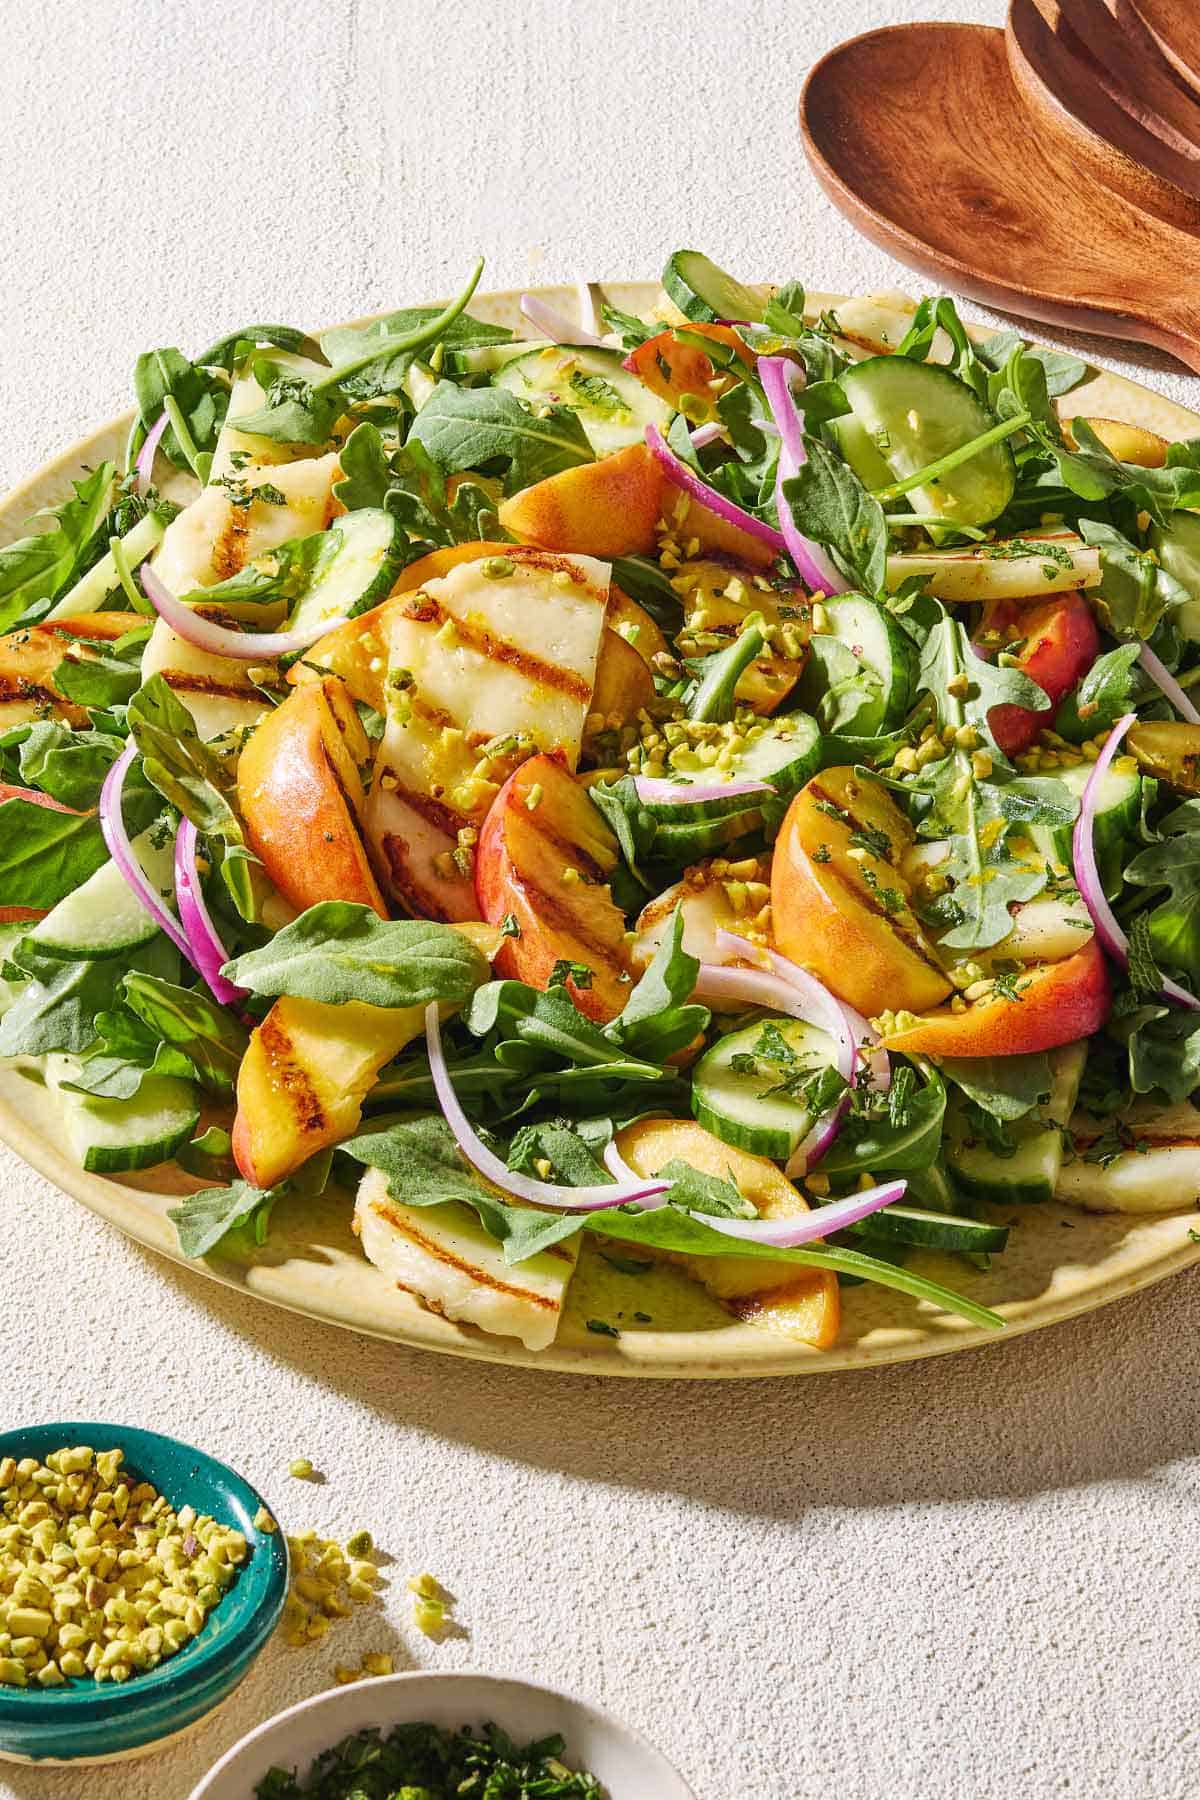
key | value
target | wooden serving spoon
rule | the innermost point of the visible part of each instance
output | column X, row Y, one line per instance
column 1175, row 28
column 1132, row 67
column 1065, row 90
column 917, row 133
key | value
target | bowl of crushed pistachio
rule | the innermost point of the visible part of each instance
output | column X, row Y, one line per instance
column 439, row 1737
column 139, row 1579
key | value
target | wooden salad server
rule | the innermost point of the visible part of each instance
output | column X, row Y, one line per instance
column 1175, row 27
column 1063, row 88
column 918, row 134
column 1130, row 66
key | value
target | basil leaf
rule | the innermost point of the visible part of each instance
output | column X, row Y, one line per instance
column 338, row 951
column 1006, row 1087
column 1110, row 689
column 45, row 854
column 830, row 505
column 466, row 428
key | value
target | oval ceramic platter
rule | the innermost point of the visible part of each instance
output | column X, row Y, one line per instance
column 1060, row 1261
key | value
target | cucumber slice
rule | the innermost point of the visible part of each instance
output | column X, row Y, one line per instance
column 860, row 674
column 678, row 844
column 103, row 917
column 1117, row 818
column 730, row 1087
column 915, row 413
column 112, row 1136
column 92, row 590
column 786, row 752
column 860, row 451
column 356, row 572
column 931, row 1230
column 702, row 291
column 485, row 359
column 1031, row 1175
column 418, row 382
column 614, row 406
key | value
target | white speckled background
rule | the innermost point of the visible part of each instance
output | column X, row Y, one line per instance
column 969, row 1578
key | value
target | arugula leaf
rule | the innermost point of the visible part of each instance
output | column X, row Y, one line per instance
column 202, row 399
column 696, row 1191
column 209, row 1156
column 235, row 346
column 1062, row 371
column 555, row 1142
column 284, row 573
column 203, row 1220
column 177, row 761
column 468, row 428
column 424, row 1168
column 211, row 1038
column 1174, row 865
column 1110, row 689
column 628, row 326
column 35, row 569
column 124, row 1053
column 409, row 484
column 784, row 311
column 57, row 1008
column 830, row 505
column 1006, row 1087
column 1135, row 590
column 338, row 951
column 655, row 1022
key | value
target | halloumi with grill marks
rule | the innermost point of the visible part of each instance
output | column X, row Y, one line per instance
column 479, row 659
column 210, row 540
column 246, row 396
column 443, row 1257
column 1158, row 1171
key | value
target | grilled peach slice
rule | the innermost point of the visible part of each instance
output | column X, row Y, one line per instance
column 301, row 795
column 840, row 902
column 800, row 1303
column 718, row 594
column 623, row 681
column 606, row 508
column 307, row 1070
column 30, row 658
column 1058, row 642
column 1047, row 1005
column 544, row 856
column 680, row 372
column 1128, row 443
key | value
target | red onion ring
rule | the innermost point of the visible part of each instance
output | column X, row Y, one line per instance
column 867, row 1040
column 112, row 827
column 555, row 325
column 707, row 497
column 494, row 1169
column 652, row 788
column 144, row 466
column 813, row 562
column 1158, row 672
column 221, row 640
column 1087, row 875
column 789, row 1234
column 208, row 953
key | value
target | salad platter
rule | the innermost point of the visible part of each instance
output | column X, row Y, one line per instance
column 830, row 560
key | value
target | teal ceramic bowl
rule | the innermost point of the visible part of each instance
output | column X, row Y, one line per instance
column 85, row 1722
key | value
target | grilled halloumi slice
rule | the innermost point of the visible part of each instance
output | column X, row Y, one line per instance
column 246, row 396
column 445, row 1259
column 1157, row 1172
column 475, row 660
column 717, row 895
column 212, row 539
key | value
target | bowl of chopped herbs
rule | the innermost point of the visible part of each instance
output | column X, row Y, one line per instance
column 438, row 1737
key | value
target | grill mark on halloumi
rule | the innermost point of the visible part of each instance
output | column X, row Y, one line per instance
column 497, row 649
column 437, row 1251
column 229, row 549
column 435, row 812
column 291, row 1075
column 182, row 681
column 30, row 691
column 404, row 883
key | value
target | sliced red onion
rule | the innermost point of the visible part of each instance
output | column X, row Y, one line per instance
column 708, row 434
column 866, row 1038
column 1158, row 672
column 589, row 312
column 554, row 325
column 703, row 495
column 221, row 640
column 672, row 793
column 778, row 376
column 494, row 1169
column 208, row 953
column 1087, row 876
column 112, row 826
column 788, row 1234
column 144, row 466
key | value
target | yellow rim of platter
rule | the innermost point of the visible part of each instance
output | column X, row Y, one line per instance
column 1060, row 1261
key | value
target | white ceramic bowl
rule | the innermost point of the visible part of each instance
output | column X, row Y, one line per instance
column 629, row 1767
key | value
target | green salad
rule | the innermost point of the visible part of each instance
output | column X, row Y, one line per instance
column 423, row 1762
column 712, row 789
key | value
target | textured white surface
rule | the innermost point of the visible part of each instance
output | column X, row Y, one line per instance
column 972, row 1577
